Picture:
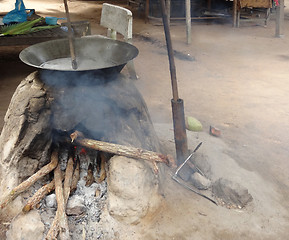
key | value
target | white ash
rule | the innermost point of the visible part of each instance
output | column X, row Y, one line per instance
column 88, row 222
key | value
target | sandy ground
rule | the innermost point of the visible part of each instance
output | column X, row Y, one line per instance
column 237, row 83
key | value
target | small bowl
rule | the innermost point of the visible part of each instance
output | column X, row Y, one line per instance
column 52, row 20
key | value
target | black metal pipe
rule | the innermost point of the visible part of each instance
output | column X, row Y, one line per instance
column 180, row 130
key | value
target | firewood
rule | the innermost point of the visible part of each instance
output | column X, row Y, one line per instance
column 30, row 181
column 46, row 189
column 38, row 196
column 89, row 176
column 122, row 150
column 68, row 179
column 54, row 229
column 60, row 222
column 102, row 173
column 156, row 168
column 76, row 176
column 90, row 163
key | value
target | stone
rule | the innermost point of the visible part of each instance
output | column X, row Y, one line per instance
column 25, row 135
column 26, row 227
column 200, row 182
column 29, row 167
column 231, row 193
column 50, row 200
column 132, row 190
column 75, row 206
column 202, row 162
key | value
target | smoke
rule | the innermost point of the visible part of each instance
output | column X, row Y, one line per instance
column 103, row 106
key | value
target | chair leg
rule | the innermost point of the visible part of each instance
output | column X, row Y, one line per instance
column 238, row 18
column 267, row 17
column 131, row 70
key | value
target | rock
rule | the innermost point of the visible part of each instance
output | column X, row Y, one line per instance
column 26, row 227
column 132, row 190
column 75, row 206
column 200, row 182
column 185, row 173
column 25, row 134
column 231, row 193
column 51, row 200
column 29, row 166
column 202, row 162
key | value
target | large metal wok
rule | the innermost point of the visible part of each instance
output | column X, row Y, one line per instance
column 92, row 53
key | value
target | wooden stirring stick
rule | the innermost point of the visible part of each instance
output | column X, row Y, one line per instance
column 70, row 38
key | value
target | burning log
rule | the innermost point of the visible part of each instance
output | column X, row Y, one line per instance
column 127, row 151
column 89, row 177
column 30, row 181
column 76, row 176
column 68, row 179
column 102, row 172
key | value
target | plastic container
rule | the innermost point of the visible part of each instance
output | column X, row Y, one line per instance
column 52, row 20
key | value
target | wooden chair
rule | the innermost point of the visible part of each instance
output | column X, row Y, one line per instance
column 118, row 20
column 239, row 4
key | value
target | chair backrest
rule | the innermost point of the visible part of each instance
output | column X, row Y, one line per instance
column 118, row 20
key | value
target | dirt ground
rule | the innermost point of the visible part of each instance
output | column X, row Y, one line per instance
column 238, row 83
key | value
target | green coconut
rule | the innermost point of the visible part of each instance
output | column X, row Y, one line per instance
column 193, row 124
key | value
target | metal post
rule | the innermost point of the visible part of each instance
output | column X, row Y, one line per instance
column 188, row 21
column 180, row 130
column 280, row 19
